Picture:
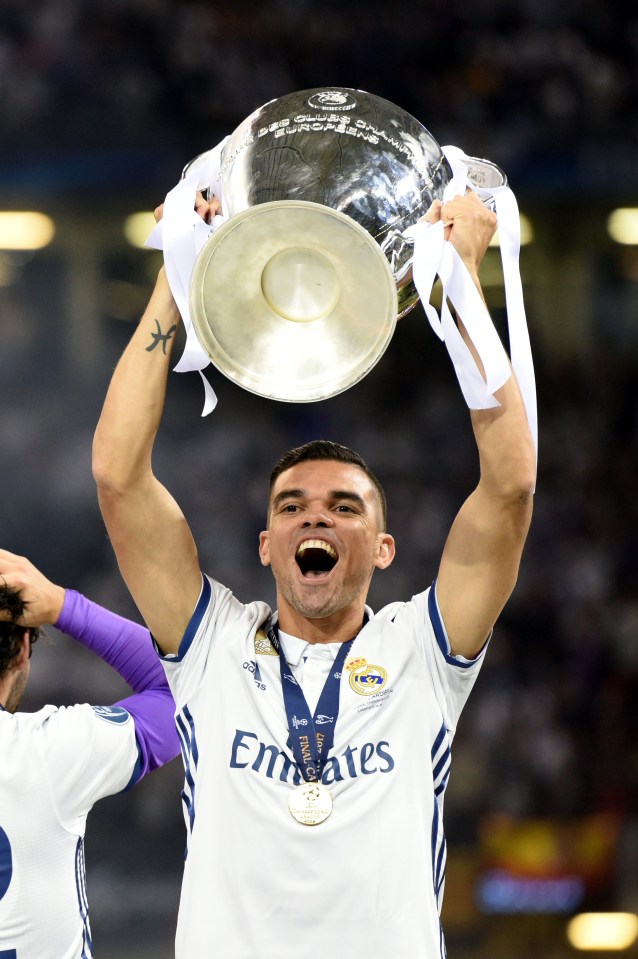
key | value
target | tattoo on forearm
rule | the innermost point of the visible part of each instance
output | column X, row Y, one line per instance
column 160, row 337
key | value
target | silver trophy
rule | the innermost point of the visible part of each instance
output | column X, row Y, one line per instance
column 297, row 295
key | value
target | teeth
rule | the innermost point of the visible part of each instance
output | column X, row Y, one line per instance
column 317, row 544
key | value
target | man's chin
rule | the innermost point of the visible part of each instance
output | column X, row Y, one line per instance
column 316, row 607
column 318, row 600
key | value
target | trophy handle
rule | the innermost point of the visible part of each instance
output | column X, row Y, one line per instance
column 485, row 174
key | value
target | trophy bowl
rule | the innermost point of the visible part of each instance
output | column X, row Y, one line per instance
column 296, row 296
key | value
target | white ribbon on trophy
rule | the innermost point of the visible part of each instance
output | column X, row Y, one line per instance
column 433, row 256
column 181, row 234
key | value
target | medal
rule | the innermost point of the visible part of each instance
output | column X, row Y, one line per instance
column 310, row 803
column 311, row 737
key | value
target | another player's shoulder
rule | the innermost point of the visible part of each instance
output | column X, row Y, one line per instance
column 87, row 714
column 22, row 731
column 62, row 720
column 21, row 723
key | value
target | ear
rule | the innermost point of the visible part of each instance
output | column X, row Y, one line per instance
column 384, row 550
column 24, row 655
column 264, row 548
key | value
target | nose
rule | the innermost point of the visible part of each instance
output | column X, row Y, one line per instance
column 317, row 517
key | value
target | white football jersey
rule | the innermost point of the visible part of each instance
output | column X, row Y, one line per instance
column 368, row 881
column 54, row 764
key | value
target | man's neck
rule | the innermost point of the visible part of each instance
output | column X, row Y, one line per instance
column 338, row 628
column 8, row 701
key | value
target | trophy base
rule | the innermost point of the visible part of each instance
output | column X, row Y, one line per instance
column 293, row 300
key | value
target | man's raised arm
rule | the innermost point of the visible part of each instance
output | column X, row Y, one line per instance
column 480, row 562
column 154, row 546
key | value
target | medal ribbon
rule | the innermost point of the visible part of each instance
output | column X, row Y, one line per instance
column 311, row 737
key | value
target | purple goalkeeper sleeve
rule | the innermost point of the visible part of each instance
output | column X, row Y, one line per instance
column 127, row 647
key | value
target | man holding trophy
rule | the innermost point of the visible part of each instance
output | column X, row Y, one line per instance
column 317, row 738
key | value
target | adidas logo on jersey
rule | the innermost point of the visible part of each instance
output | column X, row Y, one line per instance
column 252, row 666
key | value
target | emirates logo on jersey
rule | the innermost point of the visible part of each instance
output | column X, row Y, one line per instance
column 249, row 753
column 365, row 678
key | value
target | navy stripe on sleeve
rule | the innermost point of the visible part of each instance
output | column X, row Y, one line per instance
column 441, row 635
column 193, row 626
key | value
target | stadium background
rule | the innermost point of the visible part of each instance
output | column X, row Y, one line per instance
column 101, row 104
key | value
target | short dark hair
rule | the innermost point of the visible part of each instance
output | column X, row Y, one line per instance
column 327, row 450
column 11, row 632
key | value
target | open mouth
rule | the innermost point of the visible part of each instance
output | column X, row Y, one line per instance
column 315, row 557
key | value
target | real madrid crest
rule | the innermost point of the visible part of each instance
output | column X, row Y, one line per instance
column 365, row 678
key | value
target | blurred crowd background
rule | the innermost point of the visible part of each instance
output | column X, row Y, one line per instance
column 101, row 105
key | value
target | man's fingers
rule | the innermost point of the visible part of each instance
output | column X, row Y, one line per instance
column 207, row 209
column 433, row 214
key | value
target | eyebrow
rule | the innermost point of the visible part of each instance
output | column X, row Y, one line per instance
column 335, row 494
